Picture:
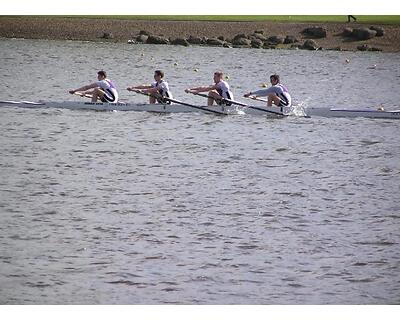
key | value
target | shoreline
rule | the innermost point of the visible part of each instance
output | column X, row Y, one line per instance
column 213, row 33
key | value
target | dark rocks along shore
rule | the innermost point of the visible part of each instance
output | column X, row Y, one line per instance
column 267, row 35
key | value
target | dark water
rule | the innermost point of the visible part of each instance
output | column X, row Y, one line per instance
column 137, row 208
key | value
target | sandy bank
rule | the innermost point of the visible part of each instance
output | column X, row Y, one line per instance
column 58, row 28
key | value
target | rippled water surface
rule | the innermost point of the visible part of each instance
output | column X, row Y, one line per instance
column 140, row 208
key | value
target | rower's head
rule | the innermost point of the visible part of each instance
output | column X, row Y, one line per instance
column 218, row 76
column 158, row 75
column 274, row 78
column 101, row 75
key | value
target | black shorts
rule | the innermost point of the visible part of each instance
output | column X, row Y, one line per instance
column 163, row 101
column 108, row 96
column 283, row 101
column 224, row 102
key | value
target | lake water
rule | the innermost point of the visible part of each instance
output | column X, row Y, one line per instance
column 140, row 208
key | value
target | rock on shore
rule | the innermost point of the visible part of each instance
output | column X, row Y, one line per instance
column 243, row 34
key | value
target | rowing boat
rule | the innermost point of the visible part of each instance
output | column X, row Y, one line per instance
column 122, row 106
column 218, row 109
column 119, row 106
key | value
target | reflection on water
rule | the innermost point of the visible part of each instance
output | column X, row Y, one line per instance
column 133, row 208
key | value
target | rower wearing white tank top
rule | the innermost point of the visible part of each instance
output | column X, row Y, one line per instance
column 220, row 89
column 277, row 94
column 158, row 91
column 104, row 89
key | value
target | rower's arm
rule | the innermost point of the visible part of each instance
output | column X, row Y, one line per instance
column 201, row 89
column 84, row 88
column 150, row 90
column 262, row 92
column 141, row 87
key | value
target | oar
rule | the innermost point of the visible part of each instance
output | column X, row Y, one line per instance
column 260, row 99
column 257, row 98
column 82, row 94
column 86, row 95
column 265, row 100
column 221, row 99
column 157, row 96
column 240, row 104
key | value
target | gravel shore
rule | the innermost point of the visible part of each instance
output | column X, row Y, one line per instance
column 117, row 30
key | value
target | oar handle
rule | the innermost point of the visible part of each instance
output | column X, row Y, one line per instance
column 256, row 98
column 136, row 90
column 82, row 94
column 221, row 99
column 179, row 102
column 241, row 104
column 157, row 95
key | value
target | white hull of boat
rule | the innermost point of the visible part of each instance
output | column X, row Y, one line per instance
column 159, row 108
column 223, row 110
column 352, row 113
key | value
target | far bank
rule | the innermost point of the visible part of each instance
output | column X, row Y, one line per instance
column 336, row 36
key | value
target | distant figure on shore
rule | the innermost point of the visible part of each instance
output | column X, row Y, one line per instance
column 158, row 87
column 220, row 89
column 104, row 89
column 351, row 17
column 277, row 94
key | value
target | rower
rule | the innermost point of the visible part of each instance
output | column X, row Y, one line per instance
column 277, row 94
column 218, row 91
column 158, row 88
column 104, row 89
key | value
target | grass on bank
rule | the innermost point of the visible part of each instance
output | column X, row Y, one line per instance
column 382, row 19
